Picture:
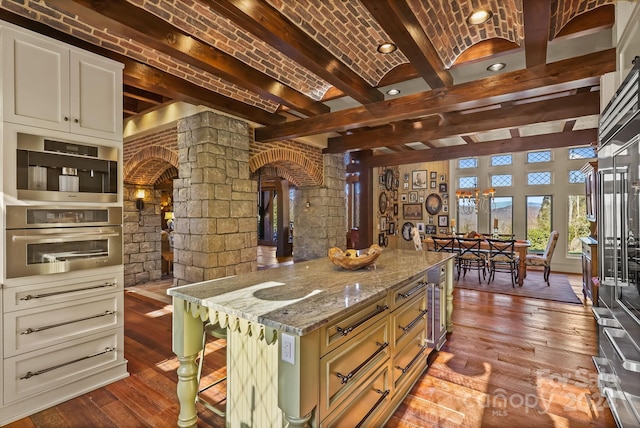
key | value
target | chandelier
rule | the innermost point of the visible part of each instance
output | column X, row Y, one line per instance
column 472, row 201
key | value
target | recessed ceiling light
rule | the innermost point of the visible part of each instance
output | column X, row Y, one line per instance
column 479, row 17
column 497, row 66
column 393, row 91
column 387, row 47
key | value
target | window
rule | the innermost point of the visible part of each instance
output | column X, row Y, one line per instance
column 576, row 176
column 468, row 163
column 500, row 160
column 468, row 182
column 467, row 217
column 502, row 180
column 577, row 223
column 536, row 157
column 502, row 211
column 538, row 222
column 538, row 178
column 582, row 153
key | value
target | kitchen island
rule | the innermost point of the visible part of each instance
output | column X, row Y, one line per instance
column 311, row 344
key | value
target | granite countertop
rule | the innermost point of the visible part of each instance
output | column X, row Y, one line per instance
column 304, row 296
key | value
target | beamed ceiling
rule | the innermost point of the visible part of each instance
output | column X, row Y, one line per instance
column 309, row 69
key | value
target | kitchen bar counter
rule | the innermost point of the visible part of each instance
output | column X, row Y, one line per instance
column 280, row 310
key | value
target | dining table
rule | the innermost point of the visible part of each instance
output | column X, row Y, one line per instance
column 521, row 247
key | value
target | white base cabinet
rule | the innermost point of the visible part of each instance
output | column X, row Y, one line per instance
column 63, row 335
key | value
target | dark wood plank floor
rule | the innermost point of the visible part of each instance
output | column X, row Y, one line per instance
column 511, row 362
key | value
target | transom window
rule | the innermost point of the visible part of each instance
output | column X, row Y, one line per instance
column 538, row 178
column 536, row 157
column 468, row 182
column 500, row 160
column 575, row 176
column 582, row 153
column 468, row 163
column 502, row 180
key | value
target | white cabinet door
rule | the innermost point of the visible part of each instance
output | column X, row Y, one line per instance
column 96, row 97
column 35, row 81
column 49, row 85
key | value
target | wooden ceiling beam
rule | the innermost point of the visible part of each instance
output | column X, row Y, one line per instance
column 568, row 107
column 400, row 23
column 262, row 20
column 135, row 23
column 537, row 21
column 142, row 95
column 584, row 137
column 544, row 79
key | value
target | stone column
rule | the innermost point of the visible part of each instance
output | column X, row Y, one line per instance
column 322, row 224
column 215, row 202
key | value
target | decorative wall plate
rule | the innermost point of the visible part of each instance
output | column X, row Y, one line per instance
column 382, row 203
column 433, row 204
column 406, row 230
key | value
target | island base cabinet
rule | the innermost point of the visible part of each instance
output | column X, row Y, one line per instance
column 367, row 404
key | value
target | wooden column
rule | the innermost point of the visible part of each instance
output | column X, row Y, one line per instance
column 282, row 245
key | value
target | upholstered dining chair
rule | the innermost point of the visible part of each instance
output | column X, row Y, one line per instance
column 544, row 260
column 471, row 257
column 502, row 258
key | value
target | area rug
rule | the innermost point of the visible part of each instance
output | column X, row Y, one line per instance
column 534, row 286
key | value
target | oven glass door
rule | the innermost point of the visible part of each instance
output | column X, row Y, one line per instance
column 24, row 216
column 46, row 251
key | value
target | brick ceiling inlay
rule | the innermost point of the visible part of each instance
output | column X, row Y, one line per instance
column 563, row 11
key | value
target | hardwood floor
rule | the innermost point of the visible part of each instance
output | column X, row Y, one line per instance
column 510, row 362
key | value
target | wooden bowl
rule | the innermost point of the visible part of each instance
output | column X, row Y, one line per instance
column 354, row 259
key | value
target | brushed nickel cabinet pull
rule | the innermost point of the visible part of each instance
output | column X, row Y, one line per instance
column 57, row 293
column 423, row 312
column 412, row 362
column 347, row 330
column 47, row 327
column 39, row 372
column 352, row 373
column 375, row 406
column 408, row 294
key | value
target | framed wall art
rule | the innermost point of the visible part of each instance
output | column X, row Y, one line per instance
column 443, row 220
column 419, row 179
column 433, row 175
column 443, row 188
column 433, row 184
column 413, row 196
column 412, row 211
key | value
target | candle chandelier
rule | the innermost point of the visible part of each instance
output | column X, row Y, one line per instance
column 472, row 201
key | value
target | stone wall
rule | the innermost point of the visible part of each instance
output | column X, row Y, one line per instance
column 214, row 200
column 141, row 236
column 322, row 224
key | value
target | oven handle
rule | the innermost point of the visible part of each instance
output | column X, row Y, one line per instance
column 58, row 236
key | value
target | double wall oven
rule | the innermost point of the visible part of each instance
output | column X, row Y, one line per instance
column 618, row 359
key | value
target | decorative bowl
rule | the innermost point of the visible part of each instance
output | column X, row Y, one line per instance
column 354, row 259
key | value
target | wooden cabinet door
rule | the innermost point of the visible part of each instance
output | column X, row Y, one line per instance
column 96, row 97
column 35, row 81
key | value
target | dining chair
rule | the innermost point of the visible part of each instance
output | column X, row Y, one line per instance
column 544, row 259
column 471, row 257
column 446, row 244
column 219, row 407
column 502, row 258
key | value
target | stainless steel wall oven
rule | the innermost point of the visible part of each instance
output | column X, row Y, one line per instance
column 618, row 362
column 45, row 240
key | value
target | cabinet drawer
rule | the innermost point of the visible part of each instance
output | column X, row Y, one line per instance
column 408, row 319
column 366, row 406
column 407, row 292
column 36, row 328
column 343, row 329
column 410, row 360
column 343, row 369
column 52, row 367
column 35, row 295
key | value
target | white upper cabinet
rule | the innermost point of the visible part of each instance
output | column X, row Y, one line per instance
column 50, row 85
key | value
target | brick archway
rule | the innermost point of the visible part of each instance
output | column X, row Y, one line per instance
column 287, row 163
column 149, row 164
